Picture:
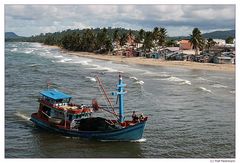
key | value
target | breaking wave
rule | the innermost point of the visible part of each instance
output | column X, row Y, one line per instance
column 13, row 50
column 58, row 56
column 219, row 86
column 179, row 80
column 137, row 81
column 205, row 89
column 91, row 78
column 65, row 60
column 140, row 82
column 103, row 68
column 133, row 77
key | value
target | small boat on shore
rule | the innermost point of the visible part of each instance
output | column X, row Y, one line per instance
column 57, row 113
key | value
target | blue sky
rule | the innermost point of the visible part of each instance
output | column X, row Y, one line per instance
column 27, row 20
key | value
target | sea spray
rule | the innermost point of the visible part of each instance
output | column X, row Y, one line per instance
column 22, row 116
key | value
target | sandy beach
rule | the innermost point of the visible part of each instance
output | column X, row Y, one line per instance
column 153, row 62
column 157, row 62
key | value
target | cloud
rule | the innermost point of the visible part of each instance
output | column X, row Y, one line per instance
column 34, row 19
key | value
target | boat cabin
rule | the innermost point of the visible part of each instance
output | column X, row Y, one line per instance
column 56, row 104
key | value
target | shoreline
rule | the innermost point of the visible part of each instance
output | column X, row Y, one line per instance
column 230, row 68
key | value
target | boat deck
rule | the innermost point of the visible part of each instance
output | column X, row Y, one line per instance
column 68, row 107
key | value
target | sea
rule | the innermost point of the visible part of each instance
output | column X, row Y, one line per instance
column 191, row 113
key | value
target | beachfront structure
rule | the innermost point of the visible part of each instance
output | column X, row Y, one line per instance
column 223, row 60
column 185, row 45
column 220, row 42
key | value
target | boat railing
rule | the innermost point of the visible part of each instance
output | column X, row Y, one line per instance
column 44, row 101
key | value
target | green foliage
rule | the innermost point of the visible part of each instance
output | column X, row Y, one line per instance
column 210, row 43
column 197, row 40
column 229, row 40
column 148, row 41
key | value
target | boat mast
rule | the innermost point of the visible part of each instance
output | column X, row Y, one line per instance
column 120, row 94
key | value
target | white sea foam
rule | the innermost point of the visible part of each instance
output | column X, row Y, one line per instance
column 219, row 86
column 179, row 80
column 139, row 140
column 13, row 50
column 65, row 60
column 81, row 62
column 91, row 78
column 34, row 65
column 133, row 77
column 232, row 92
column 205, row 89
column 28, row 51
column 58, row 56
column 24, row 117
column 140, row 82
column 103, row 68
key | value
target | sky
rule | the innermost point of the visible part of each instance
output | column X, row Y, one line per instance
column 179, row 20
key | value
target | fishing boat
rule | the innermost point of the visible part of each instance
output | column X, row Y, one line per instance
column 57, row 113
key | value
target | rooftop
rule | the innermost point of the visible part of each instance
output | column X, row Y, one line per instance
column 55, row 94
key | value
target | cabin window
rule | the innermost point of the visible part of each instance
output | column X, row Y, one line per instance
column 46, row 110
column 70, row 117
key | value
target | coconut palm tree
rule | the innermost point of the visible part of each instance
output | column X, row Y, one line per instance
column 116, row 36
column 156, row 33
column 162, row 36
column 148, row 41
column 196, row 40
column 123, row 39
column 141, row 34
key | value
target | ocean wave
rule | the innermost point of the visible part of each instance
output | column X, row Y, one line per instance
column 137, row 81
column 81, row 62
column 65, row 60
column 28, row 51
column 179, row 80
column 91, row 78
column 103, row 68
column 14, row 50
column 219, row 86
column 34, row 65
column 58, row 56
column 133, row 77
column 140, row 82
column 205, row 89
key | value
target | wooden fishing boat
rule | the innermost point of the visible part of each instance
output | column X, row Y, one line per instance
column 57, row 113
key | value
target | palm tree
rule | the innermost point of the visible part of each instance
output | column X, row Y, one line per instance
column 116, row 36
column 123, row 39
column 156, row 33
column 141, row 34
column 196, row 40
column 148, row 41
column 162, row 36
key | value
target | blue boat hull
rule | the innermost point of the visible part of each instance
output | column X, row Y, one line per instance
column 134, row 132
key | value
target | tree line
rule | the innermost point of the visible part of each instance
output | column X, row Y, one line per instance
column 101, row 40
